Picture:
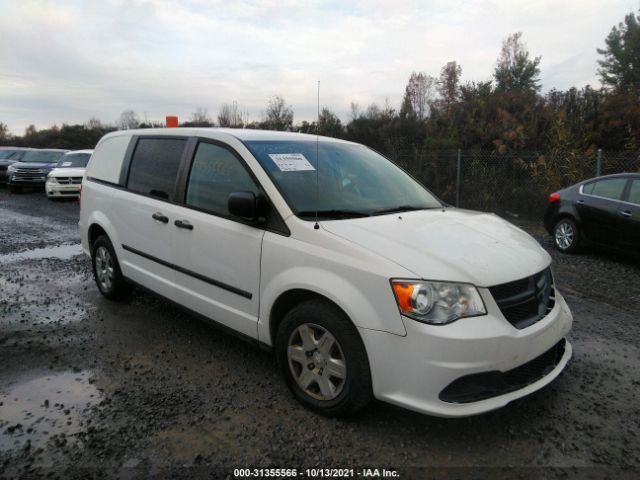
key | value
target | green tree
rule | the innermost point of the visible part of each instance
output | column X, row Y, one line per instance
column 449, row 83
column 4, row 132
column 620, row 68
column 329, row 124
column 417, row 94
column 278, row 115
column 514, row 69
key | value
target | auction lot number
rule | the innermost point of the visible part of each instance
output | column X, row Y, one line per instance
column 315, row 473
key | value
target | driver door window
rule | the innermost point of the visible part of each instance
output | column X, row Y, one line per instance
column 216, row 173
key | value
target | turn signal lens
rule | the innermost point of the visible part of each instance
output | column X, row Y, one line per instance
column 437, row 302
column 404, row 292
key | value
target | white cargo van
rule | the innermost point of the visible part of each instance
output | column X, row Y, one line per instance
column 361, row 281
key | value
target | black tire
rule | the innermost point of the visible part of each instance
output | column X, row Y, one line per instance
column 566, row 235
column 14, row 189
column 355, row 390
column 117, row 288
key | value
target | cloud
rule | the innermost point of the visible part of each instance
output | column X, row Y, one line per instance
column 66, row 61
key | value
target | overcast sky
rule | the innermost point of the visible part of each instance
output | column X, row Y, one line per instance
column 65, row 61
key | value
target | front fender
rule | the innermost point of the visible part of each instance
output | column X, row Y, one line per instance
column 350, row 281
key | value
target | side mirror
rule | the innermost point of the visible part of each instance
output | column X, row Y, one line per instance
column 243, row 204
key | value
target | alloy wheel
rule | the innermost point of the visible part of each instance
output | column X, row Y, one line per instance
column 564, row 235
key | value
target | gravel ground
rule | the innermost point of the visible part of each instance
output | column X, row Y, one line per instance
column 138, row 389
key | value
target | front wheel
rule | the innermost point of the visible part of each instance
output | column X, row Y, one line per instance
column 106, row 270
column 566, row 236
column 14, row 189
column 323, row 360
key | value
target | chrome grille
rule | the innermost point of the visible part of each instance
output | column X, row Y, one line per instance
column 69, row 180
column 30, row 174
column 31, row 170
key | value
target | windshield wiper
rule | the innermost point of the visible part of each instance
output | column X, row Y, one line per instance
column 333, row 214
column 400, row 208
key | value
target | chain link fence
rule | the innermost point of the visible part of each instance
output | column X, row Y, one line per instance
column 509, row 183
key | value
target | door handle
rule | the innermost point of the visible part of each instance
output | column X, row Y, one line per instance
column 183, row 224
column 625, row 213
column 160, row 217
column 580, row 202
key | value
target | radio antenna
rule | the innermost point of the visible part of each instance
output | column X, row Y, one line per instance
column 317, row 226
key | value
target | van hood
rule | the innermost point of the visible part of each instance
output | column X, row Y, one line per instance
column 448, row 244
column 68, row 172
column 34, row 165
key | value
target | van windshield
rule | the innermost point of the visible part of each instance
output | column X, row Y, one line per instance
column 74, row 160
column 353, row 180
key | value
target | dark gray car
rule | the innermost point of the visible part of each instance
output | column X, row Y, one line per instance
column 9, row 156
column 603, row 211
column 32, row 170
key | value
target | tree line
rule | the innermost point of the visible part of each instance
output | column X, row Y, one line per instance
column 507, row 113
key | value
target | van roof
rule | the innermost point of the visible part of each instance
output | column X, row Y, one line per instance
column 241, row 134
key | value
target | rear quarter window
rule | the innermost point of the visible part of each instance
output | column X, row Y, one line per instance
column 154, row 166
column 610, row 188
column 588, row 188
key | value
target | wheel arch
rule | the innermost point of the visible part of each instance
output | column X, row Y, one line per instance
column 367, row 301
column 571, row 216
column 95, row 230
column 99, row 224
column 288, row 300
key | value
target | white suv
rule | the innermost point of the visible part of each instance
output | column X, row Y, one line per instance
column 360, row 280
column 66, row 178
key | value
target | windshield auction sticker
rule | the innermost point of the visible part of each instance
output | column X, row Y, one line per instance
column 291, row 162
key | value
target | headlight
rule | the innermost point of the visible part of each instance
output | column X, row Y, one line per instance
column 11, row 169
column 437, row 302
column 51, row 179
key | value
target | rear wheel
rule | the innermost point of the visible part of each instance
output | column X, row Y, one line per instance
column 323, row 360
column 106, row 270
column 566, row 236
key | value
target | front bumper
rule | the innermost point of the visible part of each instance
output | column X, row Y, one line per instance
column 62, row 190
column 412, row 371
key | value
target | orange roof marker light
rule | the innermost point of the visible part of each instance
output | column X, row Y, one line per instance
column 172, row 121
